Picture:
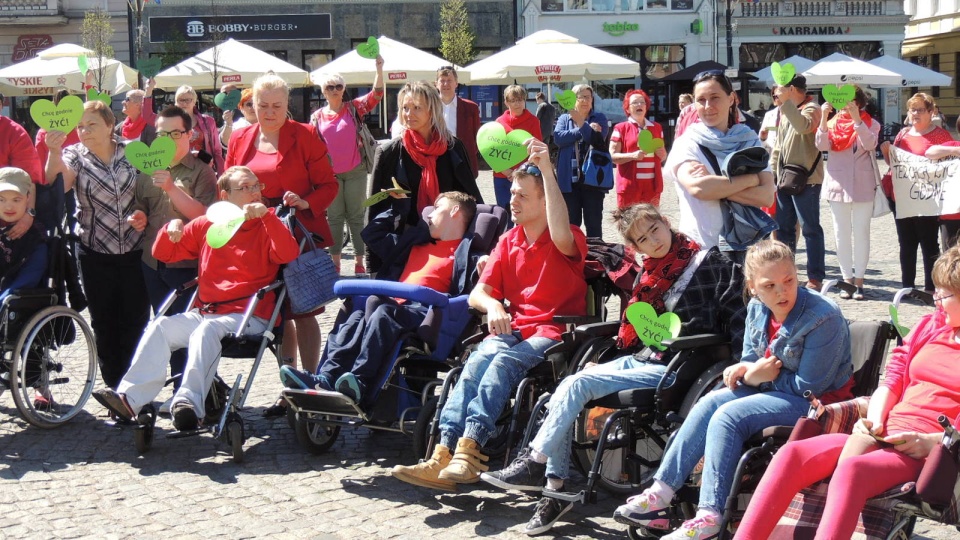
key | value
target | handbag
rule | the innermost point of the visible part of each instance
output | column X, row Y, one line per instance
column 598, row 170
column 310, row 277
column 881, row 205
column 366, row 143
column 793, row 178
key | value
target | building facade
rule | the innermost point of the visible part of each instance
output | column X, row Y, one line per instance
column 933, row 41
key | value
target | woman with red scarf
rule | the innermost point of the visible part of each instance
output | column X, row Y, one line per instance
column 426, row 158
column 515, row 117
column 849, row 183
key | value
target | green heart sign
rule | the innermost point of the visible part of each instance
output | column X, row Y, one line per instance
column 149, row 66
column 501, row 150
column 82, row 64
column 567, row 99
column 839, row 96
column 647, row 142
column 93, row 95
column 148, row 159
column 226, row 219
column 652, row 330
column 382, row 196
column 895, row 321
column 228, row 101
column 62, row 117
column 783, row 73
column 370, row 49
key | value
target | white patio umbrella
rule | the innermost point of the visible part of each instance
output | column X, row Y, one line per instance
column 65, row 50
column 912, row 74
column 234, row 63
column 841, row 69
column 549, row 56
column 401, row 63
column 800, row 63
column 39, row 77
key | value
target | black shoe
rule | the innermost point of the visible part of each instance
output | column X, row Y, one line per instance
column 547, row 513
column 523, row 474
column 184, row 417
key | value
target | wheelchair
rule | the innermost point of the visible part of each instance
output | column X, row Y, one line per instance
column 404, row 396
column 49, row 355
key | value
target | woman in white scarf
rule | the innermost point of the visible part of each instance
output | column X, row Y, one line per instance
column 699, row 187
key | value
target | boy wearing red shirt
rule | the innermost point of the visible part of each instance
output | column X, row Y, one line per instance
column 228, row 277
column 538, row 268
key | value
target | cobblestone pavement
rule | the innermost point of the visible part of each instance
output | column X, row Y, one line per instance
column 85, row 479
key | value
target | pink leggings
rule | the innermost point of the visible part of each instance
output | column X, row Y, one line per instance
column 802, row 463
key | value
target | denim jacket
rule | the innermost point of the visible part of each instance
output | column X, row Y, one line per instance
column 813, row 343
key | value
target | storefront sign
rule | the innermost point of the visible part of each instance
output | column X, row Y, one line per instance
column 27, row 47
column 809, row 30
column 620, row 28
column 241, row 27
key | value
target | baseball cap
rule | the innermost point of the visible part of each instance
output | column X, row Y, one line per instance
column 14, row 179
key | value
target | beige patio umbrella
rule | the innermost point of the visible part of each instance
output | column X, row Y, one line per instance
column 230, row 62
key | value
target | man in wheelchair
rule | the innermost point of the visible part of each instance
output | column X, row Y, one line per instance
column 23, row 259
column 704, row 288
column 228, row 276
column 538, row 268
column 433, row 254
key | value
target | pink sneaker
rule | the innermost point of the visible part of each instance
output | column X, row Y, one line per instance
column 646, row 510
column 704, row 527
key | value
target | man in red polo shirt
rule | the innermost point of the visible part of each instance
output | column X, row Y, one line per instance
column 538, row 268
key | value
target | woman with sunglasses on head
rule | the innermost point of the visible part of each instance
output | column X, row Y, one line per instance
column 204, row 137
column 575, row 132
column 337, row 125
column 639, row 176
column 515, row 117
column 699, row 187
column 292, row 162
column 248, row 117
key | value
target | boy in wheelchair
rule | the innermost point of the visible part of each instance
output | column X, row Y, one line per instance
column 433, row 254
column 704, row 288
column 23, row 259
column 891, row 444
column 228, row 276
column 538, row 268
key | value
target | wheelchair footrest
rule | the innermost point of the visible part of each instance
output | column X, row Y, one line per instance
column 189, row 433
column 323, row 402
column 580, row 496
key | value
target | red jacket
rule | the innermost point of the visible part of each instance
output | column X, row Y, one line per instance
column 303, row 168
column 17, row 150
column 468, row 124
column 233, row 273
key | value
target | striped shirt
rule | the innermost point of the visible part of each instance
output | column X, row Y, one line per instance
column 106, row 195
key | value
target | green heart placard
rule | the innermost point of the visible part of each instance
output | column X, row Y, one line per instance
column 228, row 101
column 370, row 49
column 148, row 159
column 783, row 73
column 82, row 64
column 94, row 95
column 895, row 320
column 648, row 143
column 61, row 117
column 839, row 96
column 651, row 329
column 149, row 66
column 382, row 196
column 226, row 219
column 501, row 150
column 567, row 99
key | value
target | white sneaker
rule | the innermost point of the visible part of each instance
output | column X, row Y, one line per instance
column 165, row 408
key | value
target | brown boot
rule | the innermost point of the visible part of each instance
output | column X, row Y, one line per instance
column 467, row 463
column 425, row 474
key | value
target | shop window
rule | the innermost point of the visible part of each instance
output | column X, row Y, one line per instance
column 658, row 61
column 551, row 6
column 756, row 56
column 577, row 5
column 312, row 61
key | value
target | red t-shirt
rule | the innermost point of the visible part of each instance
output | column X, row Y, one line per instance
column 932, row 387
column 431, row 265
column 538, row 281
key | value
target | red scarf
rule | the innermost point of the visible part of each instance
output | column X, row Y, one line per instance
column 656, row 279
column 132, row 130
column 425, row 156
column 841, row 130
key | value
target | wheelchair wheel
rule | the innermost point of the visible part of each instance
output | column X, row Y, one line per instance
column 54, row 367
column 314, row 437
column 421, row 430
column 705, row 383
column 612, row 474
column 235, row 438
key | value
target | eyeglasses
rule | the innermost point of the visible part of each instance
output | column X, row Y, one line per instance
column 514, row 100
column 332, row 87
column 173, row 134
column 128, row 100
column 709, row 73
column 942, row 297
column 186, row 100
column 918, row 111
column 529, row 168
column 248, row 104
column 252, row 188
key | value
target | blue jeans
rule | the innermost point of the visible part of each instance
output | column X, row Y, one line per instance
column 160, row 283
column 716, row 429
column 555, row 437
column 486, row 383
column 501, row 188
column 806, row 208
column 585, row 205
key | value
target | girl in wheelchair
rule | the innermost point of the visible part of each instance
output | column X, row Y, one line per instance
column 796, row 340
column 890, row 445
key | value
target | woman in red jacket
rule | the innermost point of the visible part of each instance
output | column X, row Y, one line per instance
column 292, row 162
column 515, row 117
column 639, row 177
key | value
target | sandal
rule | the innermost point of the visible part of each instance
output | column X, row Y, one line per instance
column 859, row 294
column 844, row 294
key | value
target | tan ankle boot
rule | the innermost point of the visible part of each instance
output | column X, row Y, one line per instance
column 467, row 463
column 425, row 474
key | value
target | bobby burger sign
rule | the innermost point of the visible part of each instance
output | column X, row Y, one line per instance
column 240, row 27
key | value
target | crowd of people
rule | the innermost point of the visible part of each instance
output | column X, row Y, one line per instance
column 142, row 236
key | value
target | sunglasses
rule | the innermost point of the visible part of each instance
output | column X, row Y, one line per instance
column 532, row 170
column 332, row 87
column 706, row 74
column 446, row 68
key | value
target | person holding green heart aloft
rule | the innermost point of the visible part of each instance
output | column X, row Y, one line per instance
column 849, row 183
column 796, row 340
column 516, row 116
column 701, row 287
column 636, row 147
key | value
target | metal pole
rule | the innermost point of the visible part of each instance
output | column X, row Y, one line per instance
column 729, row 35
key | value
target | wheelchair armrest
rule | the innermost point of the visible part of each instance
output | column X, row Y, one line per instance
column 694, row 342
column 574, row 320
column 916, row 294
column 598, row 329
column 367, row 287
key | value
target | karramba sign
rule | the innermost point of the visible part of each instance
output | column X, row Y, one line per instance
column 241, row 27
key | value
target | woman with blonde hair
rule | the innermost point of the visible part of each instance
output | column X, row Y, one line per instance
column 204, row 138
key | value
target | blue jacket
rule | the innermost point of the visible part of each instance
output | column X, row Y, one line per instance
column 566, row 136
column 813, row 344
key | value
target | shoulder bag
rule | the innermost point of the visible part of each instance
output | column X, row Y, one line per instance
column 793, row 178
column 365, row 140
column 598, row 170
column 310, row 277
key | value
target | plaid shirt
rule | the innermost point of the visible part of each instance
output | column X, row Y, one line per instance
column 105, row 198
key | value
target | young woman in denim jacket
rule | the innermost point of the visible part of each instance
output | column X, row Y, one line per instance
column 796, row 340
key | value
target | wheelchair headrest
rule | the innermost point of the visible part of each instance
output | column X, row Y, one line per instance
column 485, row 233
